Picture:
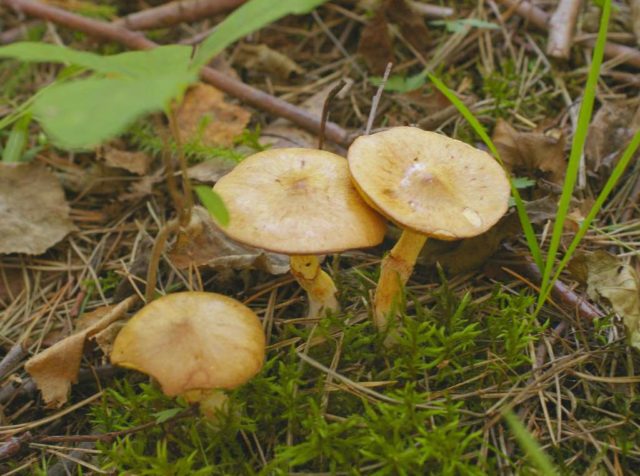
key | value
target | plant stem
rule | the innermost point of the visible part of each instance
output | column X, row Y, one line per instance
column 156, row 252
column 318, row 284
column 395, row 271
column 185, row 211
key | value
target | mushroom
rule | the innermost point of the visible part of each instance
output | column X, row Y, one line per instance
column 299, row 202
column 430, row 186
column 195, row 344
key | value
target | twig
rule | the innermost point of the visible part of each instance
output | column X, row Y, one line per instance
column 12, row 446
column 561, row 28
column 376, row 99
column 176, row 12
column 325, row 110
column 67, row 465
column 154, row 261
column 540, row 19
column 15, row 355
column 433, row 11
column 238, row 89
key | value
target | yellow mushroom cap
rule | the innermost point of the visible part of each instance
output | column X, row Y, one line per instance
column 429, row 183
column 193, row 340
column 297, row 201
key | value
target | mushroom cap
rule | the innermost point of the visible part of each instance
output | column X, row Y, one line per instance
column 297, row 202
column 193, row 340
column 429, row 183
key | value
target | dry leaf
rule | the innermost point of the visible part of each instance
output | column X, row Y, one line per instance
column 612, row 127
column 205, row 115
column 202, row 243
column 262, row 59
column 34, row 214
column 375, row 44
column 56, row 368
column 528, row 152
column 135, row 162
column 410, row 23
column 211, row 170
column 607, row 276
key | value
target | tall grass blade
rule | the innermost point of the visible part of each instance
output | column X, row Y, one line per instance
column 613, row 179
column 530, row 445
column 577, row 146
column 529, row 234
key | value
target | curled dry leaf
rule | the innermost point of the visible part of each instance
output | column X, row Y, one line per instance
column 56, row 368
column 202, row 243
column 262, row 59
column 608, row 277
column 205, row 115
column 135, row 162
column 34, row 214
column 528, row 152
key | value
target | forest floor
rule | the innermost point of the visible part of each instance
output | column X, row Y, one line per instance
column 332, row 398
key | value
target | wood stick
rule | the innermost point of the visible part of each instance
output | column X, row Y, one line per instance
column 233, row 87
column 562, row 26
column 540, row 19
column 173, row 13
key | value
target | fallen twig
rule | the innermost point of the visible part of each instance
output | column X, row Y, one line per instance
column 173, row 13
column 15, row 355
column 238, row 89
column 540, row 19
column 17, row 33
column 561, row 28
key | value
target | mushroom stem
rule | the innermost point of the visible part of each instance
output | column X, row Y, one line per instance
column 319, row 286
column 211, row 402
column 395, row 271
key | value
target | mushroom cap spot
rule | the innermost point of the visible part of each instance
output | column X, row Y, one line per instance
column 192, row 340
column 429, row 183
column 297, row 201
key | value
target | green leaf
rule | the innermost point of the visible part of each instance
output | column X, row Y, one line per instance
column 13, row 150
column 81, row 114
column 246, row 19
column 401, row 84
column 530, row 445
column 167, row 414
column 213, row 202
column 522, row 182
column 136, row 64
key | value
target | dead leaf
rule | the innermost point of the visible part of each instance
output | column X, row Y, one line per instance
column 204, row 115
column 612, row 127
column 56, row 368
column 202, row 243
column 135, row 162
column 528, row 152
column 210, row 171
column 34, row 214
column 262, row 59
column 107, row 336
column 375, row 44
column 608, row 277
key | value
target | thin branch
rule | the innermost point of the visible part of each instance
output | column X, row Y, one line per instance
column 540, row 19
column 376, row 99
column 562, row 26
column 432, row 11
column 233, row 87
column 325, row 110
column 176, row 12
column 13, row 357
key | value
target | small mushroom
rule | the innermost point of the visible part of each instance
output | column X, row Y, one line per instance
column 195, row 344
column 430, row 186
column 299, row 202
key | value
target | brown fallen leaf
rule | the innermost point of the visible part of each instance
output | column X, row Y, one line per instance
column 375, row 43
column 34, row 214
column 529, row 152
column 135, row 162
column 611, row 128
column 202, row 243
column 210, row 171
column 262, row 59
column 56, row 368
column 205, row 115
column 609, row 277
